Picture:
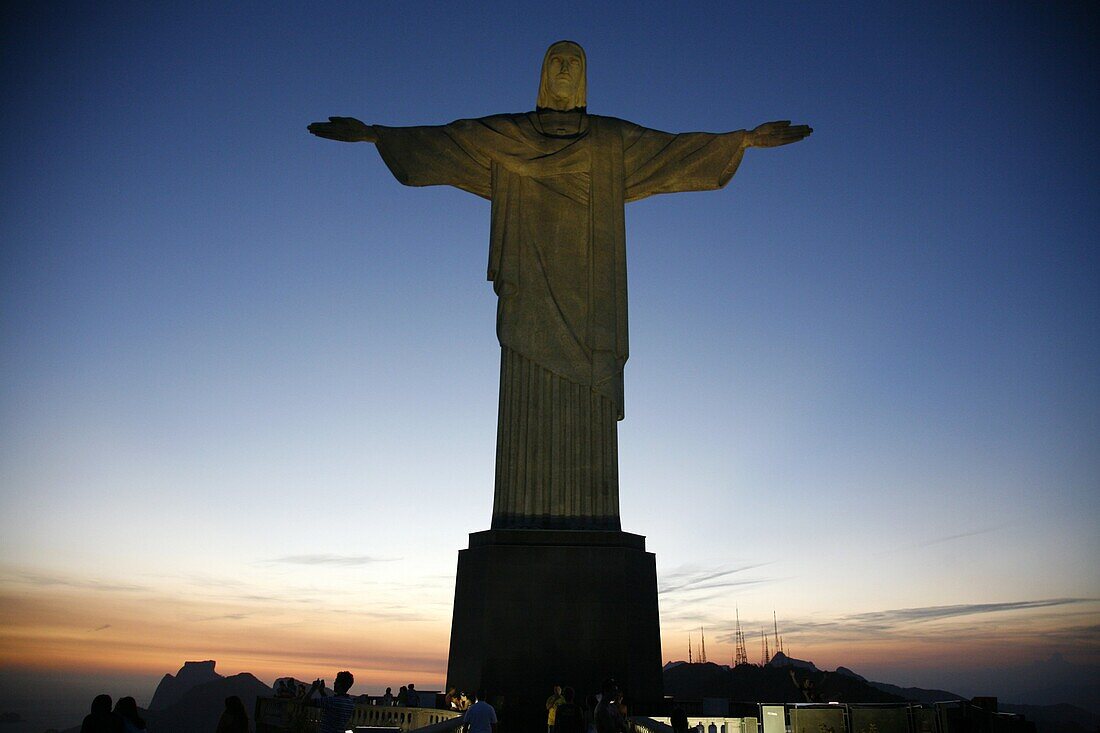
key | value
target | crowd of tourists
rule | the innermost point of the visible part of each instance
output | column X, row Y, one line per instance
column 605, row 712
column 407, row 697
column 125, row 718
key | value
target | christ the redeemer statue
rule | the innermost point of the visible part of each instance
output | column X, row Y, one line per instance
column 558, row 179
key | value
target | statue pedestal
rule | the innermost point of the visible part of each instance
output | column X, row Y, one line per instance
column 536, row 608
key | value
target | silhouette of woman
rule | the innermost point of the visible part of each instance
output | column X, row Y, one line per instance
column 126, row 708
column 235, row 717
column 101, row 719
column 679, row 721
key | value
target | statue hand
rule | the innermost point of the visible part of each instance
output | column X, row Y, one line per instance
column 344, row 129
column 774, row 134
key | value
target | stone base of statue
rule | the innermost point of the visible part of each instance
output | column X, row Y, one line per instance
column 538, row 608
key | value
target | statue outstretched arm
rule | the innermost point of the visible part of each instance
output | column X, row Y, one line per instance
column 774, row 134
column 345, row 129
column 658, row 162
column 425, row 155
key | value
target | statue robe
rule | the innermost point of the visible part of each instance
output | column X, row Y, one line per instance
column 557, row 260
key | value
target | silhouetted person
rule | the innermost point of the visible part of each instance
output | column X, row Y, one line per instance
column 552, row 703
column 126, row 708
column 609, row 718
column 679, row 721
column 570, row 717
column 234, row 718
column 413, row 700
column 101, row 719
column 387, row 699
column 590, row 704
column 480, row 718
column 403, row 696
column 505, row 713
column 335, row 710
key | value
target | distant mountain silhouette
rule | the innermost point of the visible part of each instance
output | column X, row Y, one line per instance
column 782, row 660
column 918, row 694
column 200, row 707
column 785, row 680
column 850, row 673
column 1056, row 680
column 172, row 688
column 796, row 680
column 1048, row 683
column 1062, row 718
column 1057, row 718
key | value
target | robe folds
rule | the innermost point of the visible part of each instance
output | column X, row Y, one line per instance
column 557, row 260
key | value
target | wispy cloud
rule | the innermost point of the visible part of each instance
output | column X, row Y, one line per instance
column 959, row 536
column 46, row 581
column 328, row 559
column 393, row 612
column 689, row 578
column 929, row 613
column 99, row 628
column 202, row 580
column 701, row 596
column 226, row 617
column 944, row 539
column 270, row 598
column 1071, row 621
column 927, row 622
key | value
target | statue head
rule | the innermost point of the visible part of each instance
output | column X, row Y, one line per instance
column 564, row 84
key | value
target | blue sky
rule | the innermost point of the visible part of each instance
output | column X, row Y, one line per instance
column 863, row 377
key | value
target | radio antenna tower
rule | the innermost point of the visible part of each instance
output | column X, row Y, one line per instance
column 767, row 652
column 703, row 644
column 775, row 625
column 689, row 648
column 741, row 655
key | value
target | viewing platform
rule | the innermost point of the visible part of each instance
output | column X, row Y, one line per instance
column 280, row 715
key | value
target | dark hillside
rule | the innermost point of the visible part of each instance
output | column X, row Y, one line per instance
column 768, row 684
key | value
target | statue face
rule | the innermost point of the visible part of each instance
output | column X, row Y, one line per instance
column 565, row 69
column 562, row 85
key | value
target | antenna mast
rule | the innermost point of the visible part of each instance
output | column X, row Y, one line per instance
column 742, row 655
column 703, row 643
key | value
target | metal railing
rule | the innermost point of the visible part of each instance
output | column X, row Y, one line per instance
column 283, row 715
column 442, row 727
